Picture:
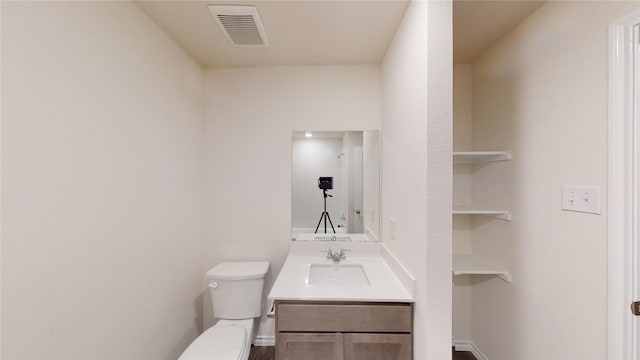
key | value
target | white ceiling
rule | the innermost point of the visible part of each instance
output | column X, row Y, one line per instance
column 326, row 32
column 300, row 32
column 479, row 24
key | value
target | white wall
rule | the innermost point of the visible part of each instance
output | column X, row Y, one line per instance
column 462, row 185
column 416, row 166
column 251, row 113
column 371, row 183
column 351, row 141
column 541, row 92
column 102, row 159
column 102, row 174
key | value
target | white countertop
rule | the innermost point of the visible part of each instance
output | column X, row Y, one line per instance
column 340, row 237
column 291, row 283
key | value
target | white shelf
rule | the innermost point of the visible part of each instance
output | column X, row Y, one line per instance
column 475, row 157
column 468, row 264
column 476, row 210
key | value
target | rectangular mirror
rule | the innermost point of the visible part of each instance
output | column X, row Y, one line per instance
column 335, row 185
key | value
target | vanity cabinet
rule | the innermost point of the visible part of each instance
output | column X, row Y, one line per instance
column 377, row 346
column 312, row 346
column 309, row 330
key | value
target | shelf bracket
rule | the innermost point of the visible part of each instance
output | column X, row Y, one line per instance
column 505, row 216
column 498, row 214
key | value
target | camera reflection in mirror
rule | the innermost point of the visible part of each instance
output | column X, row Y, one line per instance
column 344, row 165
column 325, row 183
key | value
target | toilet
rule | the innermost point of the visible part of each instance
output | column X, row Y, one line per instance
column 236, row 294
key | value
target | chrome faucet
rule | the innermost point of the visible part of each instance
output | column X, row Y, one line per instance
column 330, row 254
column 342, row 253
column 336, row 256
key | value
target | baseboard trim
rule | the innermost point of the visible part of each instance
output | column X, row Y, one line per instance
column 468, row 345
column 263, row 340
column 459, row 345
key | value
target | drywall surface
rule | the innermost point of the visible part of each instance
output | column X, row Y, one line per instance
column 102, row 182
column 371, row 183
column 251, row 113
column 541, row 92
column 462, row 177
column 416, row 166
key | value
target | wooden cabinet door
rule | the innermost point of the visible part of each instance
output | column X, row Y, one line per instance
column 377, row 347
column 343, row 317
column 309, row 346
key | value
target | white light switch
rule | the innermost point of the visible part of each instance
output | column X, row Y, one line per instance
column 581, row 198
column 392, row 228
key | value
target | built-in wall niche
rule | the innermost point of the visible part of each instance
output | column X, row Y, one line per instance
column 335, row 191
column 470, row 264
column 478, row 157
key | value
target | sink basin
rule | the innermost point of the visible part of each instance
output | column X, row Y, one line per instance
column 337, row 274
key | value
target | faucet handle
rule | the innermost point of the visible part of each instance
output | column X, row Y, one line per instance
column 329, row 253
column 342, row 253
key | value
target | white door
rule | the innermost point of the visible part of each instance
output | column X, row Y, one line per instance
column 358, row 226
column 624, row 189
column 636, row 238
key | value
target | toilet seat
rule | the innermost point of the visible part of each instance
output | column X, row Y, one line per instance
column 220, row 342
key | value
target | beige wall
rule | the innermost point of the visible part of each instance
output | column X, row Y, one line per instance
column 251, row 113
column 102, row 164
column 462, row 185
column 102, row 182
column 371, row 183
column 541, row 92
column 416, row 166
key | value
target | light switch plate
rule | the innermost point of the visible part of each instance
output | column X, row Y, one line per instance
column 581, row 198
column 393, row 228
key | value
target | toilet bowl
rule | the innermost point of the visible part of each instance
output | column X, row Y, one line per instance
column 236, row 294
column 226, row 340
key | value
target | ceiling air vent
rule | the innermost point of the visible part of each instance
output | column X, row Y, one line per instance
column 241, row 24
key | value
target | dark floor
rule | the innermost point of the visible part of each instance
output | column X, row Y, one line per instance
column 262, row 353
column 463, row 355
column 269, row 353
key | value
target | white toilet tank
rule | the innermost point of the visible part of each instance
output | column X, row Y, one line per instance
column 236, row 289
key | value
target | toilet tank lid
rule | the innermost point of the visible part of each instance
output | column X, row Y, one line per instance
column 238, row 270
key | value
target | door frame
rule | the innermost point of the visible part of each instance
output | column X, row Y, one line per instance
column 624, row 143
